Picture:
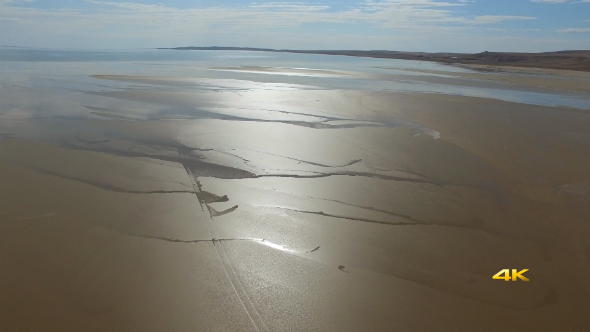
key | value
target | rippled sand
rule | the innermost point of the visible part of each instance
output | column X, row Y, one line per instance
column 187, row 203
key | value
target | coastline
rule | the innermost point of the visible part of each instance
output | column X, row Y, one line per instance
column 561, row 60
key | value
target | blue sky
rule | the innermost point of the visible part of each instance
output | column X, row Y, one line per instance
column 405, row 25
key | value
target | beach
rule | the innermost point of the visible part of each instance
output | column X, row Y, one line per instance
column 258, row 191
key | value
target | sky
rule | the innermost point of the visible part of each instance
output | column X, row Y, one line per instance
column 401, row 25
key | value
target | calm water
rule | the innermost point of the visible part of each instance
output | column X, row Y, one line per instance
column 63, row 96
column 50, row 83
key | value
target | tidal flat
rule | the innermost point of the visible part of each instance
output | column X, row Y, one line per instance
column 255, row 191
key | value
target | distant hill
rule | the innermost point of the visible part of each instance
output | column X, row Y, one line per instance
column 569, row 60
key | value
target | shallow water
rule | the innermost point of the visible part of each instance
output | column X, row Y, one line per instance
column 71, row 70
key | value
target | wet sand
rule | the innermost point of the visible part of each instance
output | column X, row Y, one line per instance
column 562, row 80
column 173, row 204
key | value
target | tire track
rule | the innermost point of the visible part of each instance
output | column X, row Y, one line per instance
column 239, row 289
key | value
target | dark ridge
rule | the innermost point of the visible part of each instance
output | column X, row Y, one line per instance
column 215, row 213
column 104, row 186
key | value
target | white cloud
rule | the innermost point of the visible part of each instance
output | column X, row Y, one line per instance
column 490, row 19
column 410, row 3
column 560, row 1
column 15, row 1
column 130, row 5
column 552, row 1
column 392, row 14
column 575, row 30
column 287, row 5
column 418, row 13
column 129, row 24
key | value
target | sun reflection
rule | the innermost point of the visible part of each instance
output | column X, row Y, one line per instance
column 274, row 245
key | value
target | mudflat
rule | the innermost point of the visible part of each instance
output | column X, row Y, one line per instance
column 268, row 195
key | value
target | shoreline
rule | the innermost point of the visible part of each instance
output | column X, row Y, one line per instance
column 561, row 60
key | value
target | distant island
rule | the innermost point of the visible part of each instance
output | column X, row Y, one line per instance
column 568, row 60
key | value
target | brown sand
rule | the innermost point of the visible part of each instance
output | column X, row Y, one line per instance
column 230, row 225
